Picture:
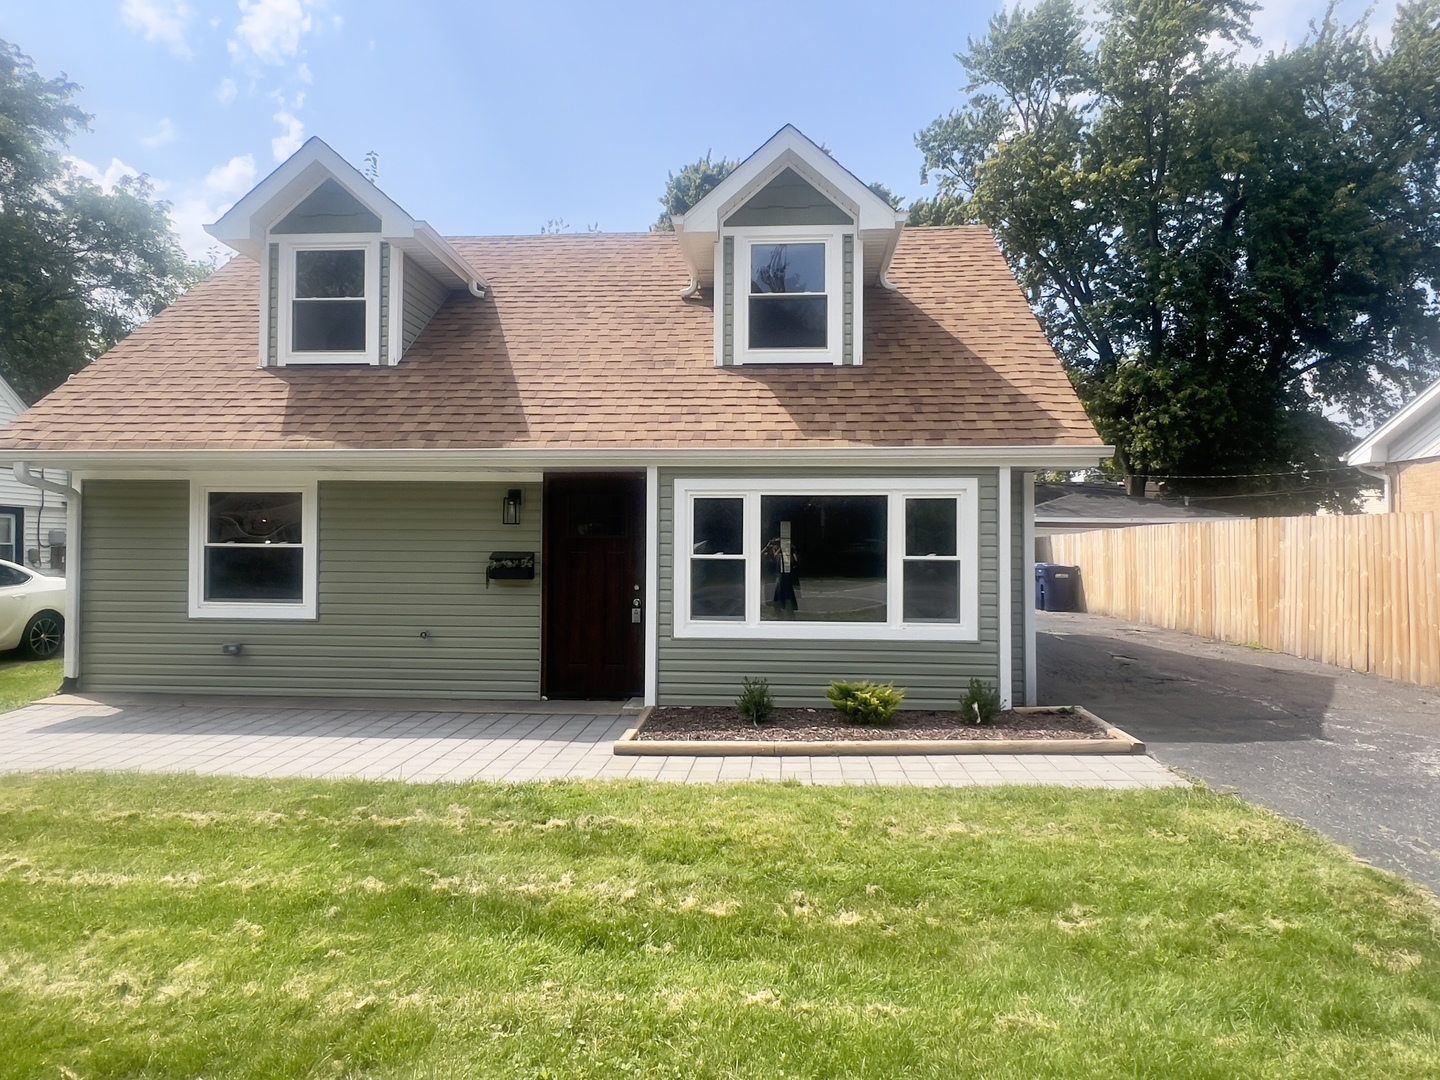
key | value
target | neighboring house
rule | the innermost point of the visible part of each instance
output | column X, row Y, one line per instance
column 32, row 521
column 791, row 439
column 1071, row 508
column 1405, row 453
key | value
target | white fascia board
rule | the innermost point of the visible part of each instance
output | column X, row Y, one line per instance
column 436, row 245
column 383, row 461
column 1375, row 449
column 788, row 147
column 244, row 225
column 11, row 405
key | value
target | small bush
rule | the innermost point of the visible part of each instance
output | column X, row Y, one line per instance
column 755, row 703
column 866, row 702
column 981, row 703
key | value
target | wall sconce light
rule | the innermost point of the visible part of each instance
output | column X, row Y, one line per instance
column 510, row 513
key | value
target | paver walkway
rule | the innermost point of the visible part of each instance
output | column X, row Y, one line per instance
column 426, row 741
column 1354, row 756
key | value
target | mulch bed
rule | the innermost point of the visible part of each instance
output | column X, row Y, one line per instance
column 711, row 723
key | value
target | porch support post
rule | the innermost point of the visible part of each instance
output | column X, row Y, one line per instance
column 1007, row 594
column 652, row 584
column 1027, row 579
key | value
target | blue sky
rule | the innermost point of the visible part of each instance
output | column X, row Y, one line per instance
column 494, row 118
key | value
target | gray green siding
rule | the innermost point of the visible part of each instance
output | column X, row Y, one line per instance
column 727, row 307
column 328, row 209
column 423, row 297
column 394, row 559
column 788, row 200
column 385, row 303
column 707, row 671
column 272, row 349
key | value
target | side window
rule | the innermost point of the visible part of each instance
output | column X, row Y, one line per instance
column 9, row 576
column 717, row 559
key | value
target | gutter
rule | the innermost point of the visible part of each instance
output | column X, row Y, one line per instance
column 23, row 475
column 1384, row 475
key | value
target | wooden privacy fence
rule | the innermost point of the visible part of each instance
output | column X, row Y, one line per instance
column 1359, row 592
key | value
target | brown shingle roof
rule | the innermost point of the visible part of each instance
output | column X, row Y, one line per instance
column 586, row 344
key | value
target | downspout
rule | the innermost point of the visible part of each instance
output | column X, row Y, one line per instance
column 1383, row 475
column 71, row 496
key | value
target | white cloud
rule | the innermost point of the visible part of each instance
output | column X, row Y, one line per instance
column 116, row 171
column 270, row 30
column 235, row 177
column 302, row 74
column 164, row 133
column 282, row 146
column 227, row 91
column 208, row 201
column 160, row 20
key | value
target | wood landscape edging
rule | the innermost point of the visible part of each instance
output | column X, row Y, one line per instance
column 1115, row 742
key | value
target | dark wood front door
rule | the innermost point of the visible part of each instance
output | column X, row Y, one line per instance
column 594, row 563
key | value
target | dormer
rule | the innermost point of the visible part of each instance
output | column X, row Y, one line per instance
column 786, row 243
column 346, row 275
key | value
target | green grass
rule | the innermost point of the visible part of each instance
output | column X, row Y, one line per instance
column 25, row 682
column 184, row 927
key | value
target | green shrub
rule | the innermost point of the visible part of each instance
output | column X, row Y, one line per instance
column 755, row 703
column 866, row 702
column 981, row 703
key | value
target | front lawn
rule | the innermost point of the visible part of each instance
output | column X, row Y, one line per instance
column 23, row 682
column 184, row 927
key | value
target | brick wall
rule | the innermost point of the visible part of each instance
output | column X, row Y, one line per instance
column 1419, row 487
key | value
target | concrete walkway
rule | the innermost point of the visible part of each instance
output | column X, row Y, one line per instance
column 1355, row 756
column 458, row 742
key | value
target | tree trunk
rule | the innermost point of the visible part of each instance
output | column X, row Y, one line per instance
column 1135, row 485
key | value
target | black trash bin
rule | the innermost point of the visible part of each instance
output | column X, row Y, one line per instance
column 1057, row 588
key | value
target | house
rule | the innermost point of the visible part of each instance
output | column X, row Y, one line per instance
column 1405, row 453
column 792, row 439
column 1071, row 508
column 32, row 521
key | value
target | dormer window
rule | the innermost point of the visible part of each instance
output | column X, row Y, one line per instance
column 329, row 310
column 787, row 296
column 790, row 309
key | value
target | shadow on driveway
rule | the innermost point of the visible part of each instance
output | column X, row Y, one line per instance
column 1355, row 756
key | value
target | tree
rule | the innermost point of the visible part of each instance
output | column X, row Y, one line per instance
column 687, row 187
column 79, row 267
column 1224, row 254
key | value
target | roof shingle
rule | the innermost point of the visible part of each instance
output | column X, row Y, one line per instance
column 585, row 343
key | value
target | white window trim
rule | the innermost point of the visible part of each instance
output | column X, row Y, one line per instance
column 833, row 237
column 964, row 489
column 200, row 608
column 284, row 314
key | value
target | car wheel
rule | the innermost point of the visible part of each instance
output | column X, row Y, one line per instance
column 44, row 636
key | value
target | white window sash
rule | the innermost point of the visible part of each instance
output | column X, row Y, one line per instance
column 285, row 314
column 965, row 490
column 305, row 607
column 832, row 236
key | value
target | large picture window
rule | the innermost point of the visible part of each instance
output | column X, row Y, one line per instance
column 827, row 559
column 252, row 551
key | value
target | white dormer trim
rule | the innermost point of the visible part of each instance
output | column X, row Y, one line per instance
column 876, row 221
column 246, row 226
column 1411, row 434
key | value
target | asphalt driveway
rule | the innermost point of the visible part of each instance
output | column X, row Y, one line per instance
column 1354, row 756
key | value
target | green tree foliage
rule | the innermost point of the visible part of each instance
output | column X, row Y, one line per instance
column 1223, row 253
column 687, row 187
column 79, row 267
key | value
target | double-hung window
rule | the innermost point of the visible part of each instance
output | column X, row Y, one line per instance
column 329, row 304
column 252, row 551
column 789, row 305
column 827, row 559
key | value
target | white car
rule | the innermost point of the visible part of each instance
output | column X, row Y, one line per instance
column 32, row 610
